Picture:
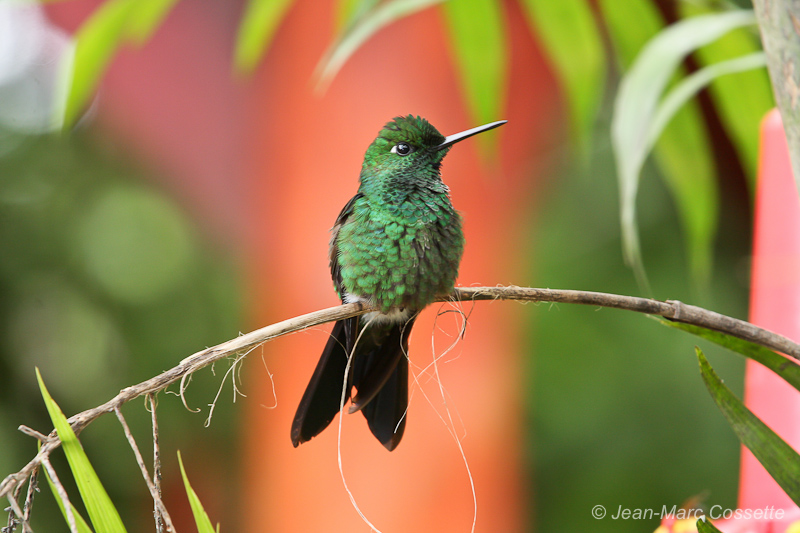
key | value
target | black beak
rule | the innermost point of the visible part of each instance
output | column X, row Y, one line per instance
column 452, row 139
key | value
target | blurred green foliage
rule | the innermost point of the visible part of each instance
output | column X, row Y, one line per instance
column 584, row 41
column 104, row 282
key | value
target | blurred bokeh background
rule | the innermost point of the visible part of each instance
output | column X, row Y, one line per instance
column 191, row 203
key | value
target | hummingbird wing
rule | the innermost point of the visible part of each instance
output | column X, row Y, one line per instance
column 333, row 252
column 323, row 395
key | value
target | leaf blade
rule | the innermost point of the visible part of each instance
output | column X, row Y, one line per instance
column 775, row 455
column 95, row 44
column 477, row 37
column 628, row 39
column 569, row 33
column 80, row 523
column 784, row 367
column 361, row 31
column 146, row 18
column 696, row 198
column 256, row 29
column 693, row 84
column 650, row 73
column 743, row 100
column 684, row 155
column 705, row 526
column 200, row 516
column 101, row 510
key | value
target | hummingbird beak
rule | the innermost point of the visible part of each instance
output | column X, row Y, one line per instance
column 452, row 139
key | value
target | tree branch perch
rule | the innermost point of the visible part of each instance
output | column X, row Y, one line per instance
column 672, row 310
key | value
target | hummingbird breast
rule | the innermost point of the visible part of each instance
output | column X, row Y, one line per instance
column 400, row 254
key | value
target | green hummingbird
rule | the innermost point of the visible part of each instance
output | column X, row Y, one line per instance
column 396, row 246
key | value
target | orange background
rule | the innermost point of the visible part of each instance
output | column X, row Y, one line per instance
column 307, row 154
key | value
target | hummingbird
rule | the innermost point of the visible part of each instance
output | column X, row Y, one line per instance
column 395, row 246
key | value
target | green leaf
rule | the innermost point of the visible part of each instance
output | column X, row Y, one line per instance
column 146, row 18
column 95, row 45
column 685, row 157
column 98, row 40
column 784, row 367
column 568, row 31
column 478, row 39
column 741, row 100
column 777, row 457
column 684, row 142
column 693, row 84
column 364, row 28
column 628, row 39
column 200, row 516
column 259, row 22
column 696, row 198
column 81, row 524
column 102, row 513
column 705, row 526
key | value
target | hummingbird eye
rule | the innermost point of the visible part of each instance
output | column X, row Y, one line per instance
column 402, row 149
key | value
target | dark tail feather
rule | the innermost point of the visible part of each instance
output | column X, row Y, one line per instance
column 381, row 378
column 379, row 374
column 386, row 413
column 374, row 368
column 322, row 397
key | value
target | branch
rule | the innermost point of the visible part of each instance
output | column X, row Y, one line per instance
column 672, row 310
column 150, row 404
column 160, row 509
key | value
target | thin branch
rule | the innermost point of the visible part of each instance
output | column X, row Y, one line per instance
column 15, row 510
column 13, row 518
column 151, row 401
column 33, row 487
column 62, row 493
column 162, row 510
column 32, row 433
column 672, row 310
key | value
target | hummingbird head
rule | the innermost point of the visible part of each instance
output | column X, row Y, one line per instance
column 410, row 150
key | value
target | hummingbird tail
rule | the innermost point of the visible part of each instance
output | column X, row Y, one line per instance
column 386, row 413
column 381, row 379
column 322, row 397
column 379, row 374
